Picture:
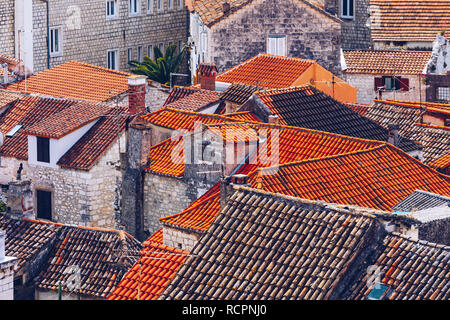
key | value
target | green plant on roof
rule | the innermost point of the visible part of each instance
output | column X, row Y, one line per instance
column 160, row 68
column 2, row 206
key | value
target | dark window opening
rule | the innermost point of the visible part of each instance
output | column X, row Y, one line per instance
column 43, row 149
column 44, row 204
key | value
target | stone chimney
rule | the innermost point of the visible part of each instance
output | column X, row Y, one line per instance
column 393, row 134
column 274, row 119
column 20, row 199
column 6, row 271
column 226, row 186
column 136, row 94
column 207, row 73
column 226, row 7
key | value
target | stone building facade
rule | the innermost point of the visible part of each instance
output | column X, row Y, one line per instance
column 308, row 32
column 367, row 92
column 79, row 197
column 7, row 27
column 87, row 33
column 355, row 30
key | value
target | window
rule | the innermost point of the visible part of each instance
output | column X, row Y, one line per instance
column 180, row 3
column 443, row 94
column 55, row 41
column 130, row 54
column 149, row 6
column 139, row 54
column 170, row 4
column 348, row 9
column 203, row 41
column 391, row 83
column 43, row 149
column 179, row 46
column 111, row 9
column 150, row 51
column 113, row 59
column 44, row 204
column 161, row 46
column 159, row 5
column 276, row 44
column 134, row 7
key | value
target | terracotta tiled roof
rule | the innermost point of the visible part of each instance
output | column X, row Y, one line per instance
column 405, row 20
column 27, row 111
column 156, row 267
column 101, row 255
column 428, row 106
column 239, row 93
column 198, row 100
column 157, row 237
column 11, row 61
column 76, row 80
column 308, row 107
column 161, row 161
column 413, row 270
column 358, row 107
column 85, row 152
column 25, row 238
column 179, row 93
column 389, row 62
column 378, row 178
column 180, row 119
column 7, row 97
column 295, row 144
column 68, row 120
column 266, row 246
column 268, row 71
column 211, row 11
column 435, row 140
column 62, row 116
column 441, row 163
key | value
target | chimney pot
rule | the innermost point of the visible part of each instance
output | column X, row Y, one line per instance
column 207, row 73
column 136, row 94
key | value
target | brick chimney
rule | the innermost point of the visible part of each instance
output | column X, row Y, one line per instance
column 226, row 186
column 206, row 74
column 136, row 94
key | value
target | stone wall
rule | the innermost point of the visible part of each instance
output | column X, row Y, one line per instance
column 355, row 32
column 242, row 35
column 365, row 83
column 180, row 239
column 436, row 231
column 79, row 197
column 7, row 27
column 7, row 279
column 88, row 33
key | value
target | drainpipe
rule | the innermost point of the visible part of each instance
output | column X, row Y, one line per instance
column 48, row 33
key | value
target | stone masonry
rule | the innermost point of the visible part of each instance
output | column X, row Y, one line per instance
column 7, row 27
column 180, row 239
column 79, row 197
column 87, row 33
column 310, row 34
column 365, row 83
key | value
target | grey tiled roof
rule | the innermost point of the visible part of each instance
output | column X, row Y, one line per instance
column 264, row 246
column 420, row 200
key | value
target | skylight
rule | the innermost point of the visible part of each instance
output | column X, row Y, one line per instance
column 14, row 130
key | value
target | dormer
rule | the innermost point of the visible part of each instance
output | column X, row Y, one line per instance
column 50, row 139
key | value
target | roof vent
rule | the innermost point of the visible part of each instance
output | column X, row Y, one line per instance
column 226, row 7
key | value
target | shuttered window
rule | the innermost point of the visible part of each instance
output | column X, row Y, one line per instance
column 43, row 149
column 276, row 44
column 391, row 84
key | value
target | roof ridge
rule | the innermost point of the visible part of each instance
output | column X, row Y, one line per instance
column 162, row 246
column 432, row 126
column 422, row 242
column 318, row 203
column 270, row 91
